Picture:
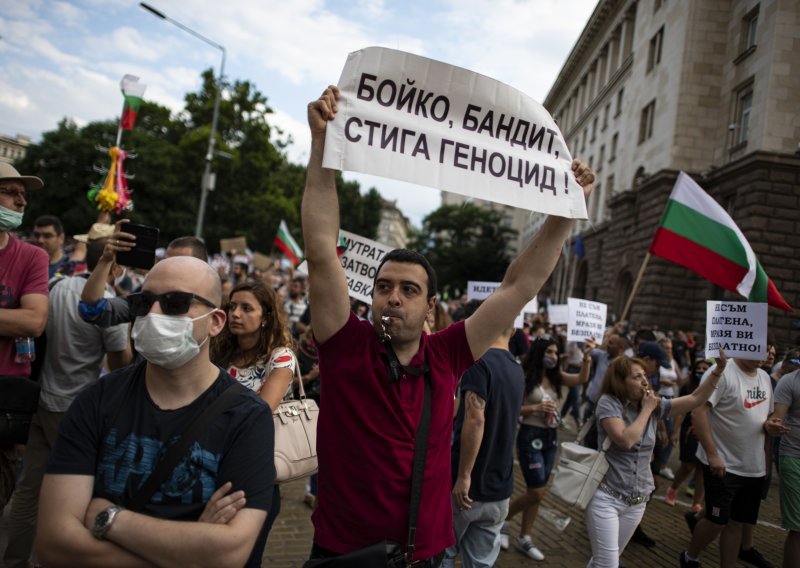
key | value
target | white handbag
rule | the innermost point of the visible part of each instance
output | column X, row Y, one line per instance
column 579, row 472
column 295, row 423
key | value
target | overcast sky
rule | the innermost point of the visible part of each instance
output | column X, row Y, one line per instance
column 66, row 58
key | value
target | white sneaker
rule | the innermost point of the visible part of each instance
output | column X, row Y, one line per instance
column 667, row 473
column 526, row 547
column 504, row 533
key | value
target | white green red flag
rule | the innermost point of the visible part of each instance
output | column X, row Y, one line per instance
column 133, row 91
column 697, row 233
column 287, row 245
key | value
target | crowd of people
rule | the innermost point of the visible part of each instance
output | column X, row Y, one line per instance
column 152, row 439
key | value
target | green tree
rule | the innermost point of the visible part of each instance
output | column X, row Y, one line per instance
column 256, row 185
column 465, row 242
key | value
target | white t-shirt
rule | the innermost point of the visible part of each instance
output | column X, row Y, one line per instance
column 739, row 407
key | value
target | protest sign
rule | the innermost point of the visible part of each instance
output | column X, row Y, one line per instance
column 234, row 243
column 558, row 313
column 261, row 261
column 738, row 328
column 411, row 118
column 360, row 261
column 481, row 290
column 586, row 319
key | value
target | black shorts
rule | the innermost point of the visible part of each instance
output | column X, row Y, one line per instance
column 732, row 497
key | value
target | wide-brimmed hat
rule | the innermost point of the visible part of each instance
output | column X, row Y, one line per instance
column 98, row 231
column 9, row 173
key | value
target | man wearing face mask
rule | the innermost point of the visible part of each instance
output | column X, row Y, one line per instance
column 72, row 360
column 23, row 297
column 210, row 510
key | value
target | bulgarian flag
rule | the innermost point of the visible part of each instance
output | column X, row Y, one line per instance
column 287, row 245
column 697, row 233
column 133, row 91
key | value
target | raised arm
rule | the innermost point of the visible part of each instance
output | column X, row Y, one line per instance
column 579, row 378
column 320, row 217
column 525, row 276
column 700, row 395
column 96, row 283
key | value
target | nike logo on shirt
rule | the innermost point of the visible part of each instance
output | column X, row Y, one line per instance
column 752, row 403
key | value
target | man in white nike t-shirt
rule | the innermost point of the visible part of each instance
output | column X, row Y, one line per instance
column 730, row 428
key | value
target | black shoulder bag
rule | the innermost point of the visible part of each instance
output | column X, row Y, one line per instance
column 172, row 456
column 387, row 553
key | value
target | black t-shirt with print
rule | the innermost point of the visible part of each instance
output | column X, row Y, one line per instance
column 114, row 432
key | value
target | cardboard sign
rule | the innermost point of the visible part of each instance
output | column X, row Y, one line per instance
column 481, row 290
column 233, row 243
column 558, row 314
column 738, row 328
column 262, row 261
column 360, row 261
column 586, row 319
column 410, row 118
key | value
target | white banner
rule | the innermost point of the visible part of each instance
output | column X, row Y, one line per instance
column 410, row 118
column 482, row 290
column 586, row 319
column 360, row 262
column 738, row 328
column 558, row 313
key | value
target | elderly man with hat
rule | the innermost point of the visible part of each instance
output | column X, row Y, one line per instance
column 72, row 360
column 23, row 303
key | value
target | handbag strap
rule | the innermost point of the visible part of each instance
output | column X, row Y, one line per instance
column 170, row 459
column 420, row 441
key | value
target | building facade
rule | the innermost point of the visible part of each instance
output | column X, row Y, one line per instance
column 710, row 87
column 394, row 226
column 13, row 149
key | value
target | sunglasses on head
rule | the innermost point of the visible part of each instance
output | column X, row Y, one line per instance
column 172, row 303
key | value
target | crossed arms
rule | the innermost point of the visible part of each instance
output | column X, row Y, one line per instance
column 223, row 536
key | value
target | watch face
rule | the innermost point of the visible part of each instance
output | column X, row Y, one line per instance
column 101, row 519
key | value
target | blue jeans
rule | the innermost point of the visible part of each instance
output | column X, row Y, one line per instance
column 477, row 533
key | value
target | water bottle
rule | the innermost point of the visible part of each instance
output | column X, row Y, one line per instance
column 26, row 351
column 553, row 418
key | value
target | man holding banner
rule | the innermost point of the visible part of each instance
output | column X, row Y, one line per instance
column 367, row 426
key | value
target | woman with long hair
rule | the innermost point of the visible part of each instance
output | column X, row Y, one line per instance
column 255, row 346
column 627, row 413
column 537, row 441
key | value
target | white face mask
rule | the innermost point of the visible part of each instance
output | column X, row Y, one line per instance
column 9, row 219
column 167, row 341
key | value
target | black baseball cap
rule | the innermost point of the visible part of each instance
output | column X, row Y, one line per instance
column 654, row 351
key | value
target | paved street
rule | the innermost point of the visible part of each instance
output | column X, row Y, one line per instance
column 290, row 540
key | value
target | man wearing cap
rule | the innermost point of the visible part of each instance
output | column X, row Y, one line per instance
column 23, row 296
column 72, row 360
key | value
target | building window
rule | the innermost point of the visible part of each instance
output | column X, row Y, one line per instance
column 610, row 185
column 646, row 121
column 657, row 5
column 594, row 129
column 654, row 55
column 614, row 141
column 585, row 136
column 602, row 157
column 606, row 116
column 744, row 106
column 619, row 102
column 749, row 29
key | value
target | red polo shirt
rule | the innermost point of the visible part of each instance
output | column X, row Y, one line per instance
column 365, row 441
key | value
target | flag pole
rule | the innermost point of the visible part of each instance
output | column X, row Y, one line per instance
column 635, row 287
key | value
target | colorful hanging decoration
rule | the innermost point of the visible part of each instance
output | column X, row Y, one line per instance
column 113, row 193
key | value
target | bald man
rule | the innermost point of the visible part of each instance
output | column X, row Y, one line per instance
column 211, row 510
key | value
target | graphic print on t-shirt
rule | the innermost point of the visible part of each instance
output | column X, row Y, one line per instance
column 192, row 480
column 754, row 396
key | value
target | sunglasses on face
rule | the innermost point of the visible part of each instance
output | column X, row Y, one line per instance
column 172, row 303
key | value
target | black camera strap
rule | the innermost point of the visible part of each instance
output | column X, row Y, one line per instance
column 395, row 369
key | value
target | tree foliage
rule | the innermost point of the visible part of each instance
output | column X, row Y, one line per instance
column 465, row 242
column 256, row 186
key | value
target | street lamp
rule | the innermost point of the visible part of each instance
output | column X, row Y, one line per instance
column 208, row 181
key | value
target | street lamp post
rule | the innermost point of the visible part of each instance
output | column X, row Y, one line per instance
column 208, row 181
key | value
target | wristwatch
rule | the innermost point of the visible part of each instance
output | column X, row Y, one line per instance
column 103, row 520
